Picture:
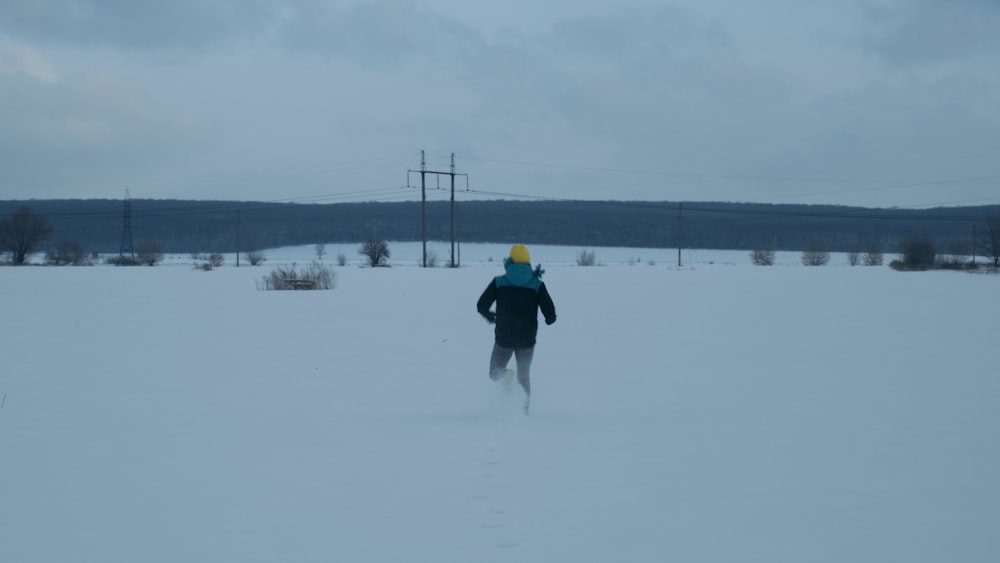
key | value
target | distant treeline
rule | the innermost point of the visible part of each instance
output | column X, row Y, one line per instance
column 215, row 226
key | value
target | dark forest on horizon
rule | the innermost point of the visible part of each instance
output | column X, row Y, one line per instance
column 189, row 226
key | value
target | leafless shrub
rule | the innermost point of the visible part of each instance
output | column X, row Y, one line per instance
column 123, row 261
column 149, row 253
column 873, row 256
column 586, row 258
column 952, row 263
column 256, row 257
column 67, row 253
column 853, row 257
column 816, row 254
column 216, row 259
column 762, row 257
column 341, row 259
column 917, row 254
column 313, row 276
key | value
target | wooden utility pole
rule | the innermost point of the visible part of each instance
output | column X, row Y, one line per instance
column 454, row 263
column 973, row 244
column 423, row 202
column 680, row 232
column 237, row 238
column 126, row 247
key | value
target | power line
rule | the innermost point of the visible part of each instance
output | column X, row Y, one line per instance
column 649, row 172
column 887, row 187
column 871, row 186
column 423, row 201
column 126, row 245
column 382, row 194
column 752, row 177
column 753, row 212
column 867, row 186
column 247, row 174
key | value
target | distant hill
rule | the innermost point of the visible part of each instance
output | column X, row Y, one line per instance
column 183, row 226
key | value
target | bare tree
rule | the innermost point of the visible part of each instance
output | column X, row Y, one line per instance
column 853, row 257
column 23, row 233
column 377, row 252
column 762, row 257
column 320, row 251
column 873, row 256
column 149, row 253
column 816, row 254
column 256, row 257
column 989, row 242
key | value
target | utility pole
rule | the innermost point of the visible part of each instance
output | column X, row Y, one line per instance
column 237, row 238
column 126, row 246
column 680, row 231
column 454, row 264
column 459, row 250
column 423, row 204
column 973, row 244
column 423, row 201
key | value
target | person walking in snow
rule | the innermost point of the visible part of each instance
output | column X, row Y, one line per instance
column 519, row 295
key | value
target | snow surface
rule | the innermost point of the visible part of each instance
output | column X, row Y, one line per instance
column 712, row 412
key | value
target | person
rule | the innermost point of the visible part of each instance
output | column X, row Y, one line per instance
column 519, row 294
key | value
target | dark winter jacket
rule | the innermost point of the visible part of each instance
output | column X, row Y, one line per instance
column 519, row 294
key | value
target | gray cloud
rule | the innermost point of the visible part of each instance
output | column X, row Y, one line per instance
column 721, row 102
column 927, row 31
column 379, row 35
column 177, row 24
column 70, row 131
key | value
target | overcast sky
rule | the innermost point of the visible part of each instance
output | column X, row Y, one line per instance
column 862, row 102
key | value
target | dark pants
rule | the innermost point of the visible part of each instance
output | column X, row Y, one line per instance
column 501, row 357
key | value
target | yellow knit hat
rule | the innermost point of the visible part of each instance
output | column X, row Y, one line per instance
column 519, row 254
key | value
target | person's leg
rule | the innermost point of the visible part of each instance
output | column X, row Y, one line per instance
column 524, row 357
column 499, row 360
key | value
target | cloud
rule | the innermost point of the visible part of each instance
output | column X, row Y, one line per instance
column 68, row 127
column 642, row 85
column 927, row 31
column 18, row 58
column 377, row 35
column 177, row 24
column 725, row 92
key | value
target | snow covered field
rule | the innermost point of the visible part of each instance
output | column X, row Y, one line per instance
column 712, row 412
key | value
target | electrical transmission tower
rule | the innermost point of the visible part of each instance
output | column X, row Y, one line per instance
column 126, row 248
column 423, row 204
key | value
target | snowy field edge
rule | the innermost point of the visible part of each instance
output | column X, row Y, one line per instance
column 714, row 411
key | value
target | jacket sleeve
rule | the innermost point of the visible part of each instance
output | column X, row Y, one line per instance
column 486, row 301
column 545, row 304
